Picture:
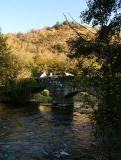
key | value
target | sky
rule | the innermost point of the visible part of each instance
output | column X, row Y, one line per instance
column 24, row 15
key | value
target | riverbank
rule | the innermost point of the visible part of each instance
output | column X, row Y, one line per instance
column 38, row 98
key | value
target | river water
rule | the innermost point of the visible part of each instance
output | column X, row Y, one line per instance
column 39, row 132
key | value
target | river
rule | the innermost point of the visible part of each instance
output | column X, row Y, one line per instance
column 38, row 132
column 41, row 132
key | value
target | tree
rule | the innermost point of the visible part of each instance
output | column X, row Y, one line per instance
column 22, row 64
column 13, row 64
column 5, row 60
column 106, row 45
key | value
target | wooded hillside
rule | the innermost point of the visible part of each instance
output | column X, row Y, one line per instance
column 47, row 49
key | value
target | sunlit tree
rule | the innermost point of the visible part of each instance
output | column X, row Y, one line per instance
column 105, row 15
column 5, row 60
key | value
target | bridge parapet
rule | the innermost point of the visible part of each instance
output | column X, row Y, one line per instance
column 64, row 88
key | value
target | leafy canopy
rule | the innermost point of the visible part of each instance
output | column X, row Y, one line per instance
column 106, row 45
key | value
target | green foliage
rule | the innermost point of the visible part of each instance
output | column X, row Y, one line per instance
column 58, row 48
column 57, row 25
column 47, row 48
column 45, row 92
column 108, row 119
column 13, row 64
column 23, row 64
column 106, row 45
column 100, row 11
column 6, row 61
column 55, row 63
column 35, row 51
column 87, row 100
column 42, row 99
column 19, row 91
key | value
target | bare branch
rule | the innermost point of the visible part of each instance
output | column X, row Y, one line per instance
column 78, row 34
column 79, row 24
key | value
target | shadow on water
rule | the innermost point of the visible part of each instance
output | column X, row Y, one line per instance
column 40, row 132
column 36, row 131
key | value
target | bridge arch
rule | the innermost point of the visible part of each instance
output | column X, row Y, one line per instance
column 63, row 89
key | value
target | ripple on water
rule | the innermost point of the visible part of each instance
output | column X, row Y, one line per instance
column 39, row 132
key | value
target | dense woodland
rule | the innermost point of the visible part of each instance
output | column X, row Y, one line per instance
column 92, row 52
column 30, row 54
column 66, row 47
column 106, row 45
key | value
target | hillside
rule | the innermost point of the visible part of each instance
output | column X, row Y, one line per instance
column 50, row 39
column 45, row 49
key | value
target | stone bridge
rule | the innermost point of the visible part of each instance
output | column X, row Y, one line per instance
column 63, row 89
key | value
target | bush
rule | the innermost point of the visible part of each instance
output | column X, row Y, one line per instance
column 45, row 92
column 20, row 91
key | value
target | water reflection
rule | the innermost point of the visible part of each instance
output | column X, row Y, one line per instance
column 43, row 108
column 40, row 132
